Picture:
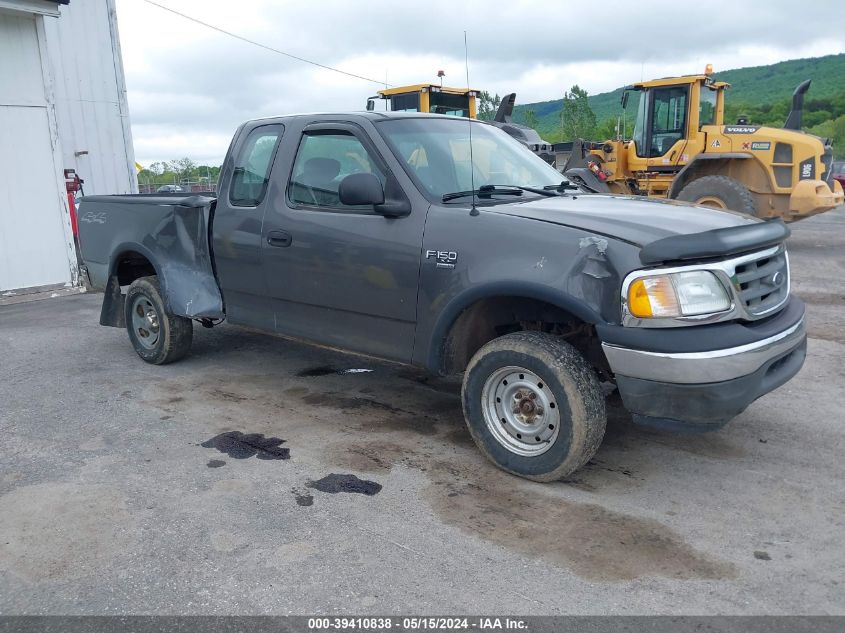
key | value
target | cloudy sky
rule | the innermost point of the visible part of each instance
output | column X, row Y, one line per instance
column 190, row 86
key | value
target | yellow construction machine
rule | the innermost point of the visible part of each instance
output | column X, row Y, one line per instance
column 429, row 98
column 682, row 148
column 461, row 102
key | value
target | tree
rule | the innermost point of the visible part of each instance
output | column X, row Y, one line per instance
column 577, row 119
column 607, row 129
column 158, row 168
column 530, row 119
column 487, row 105
column 835, row 131
column 184, row 167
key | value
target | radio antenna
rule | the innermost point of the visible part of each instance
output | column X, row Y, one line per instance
column 473, row 209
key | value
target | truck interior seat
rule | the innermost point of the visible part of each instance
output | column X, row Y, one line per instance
column 318, row 178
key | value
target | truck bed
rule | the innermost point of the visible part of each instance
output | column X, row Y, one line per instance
column 175, row 230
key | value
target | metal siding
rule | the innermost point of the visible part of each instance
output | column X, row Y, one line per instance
column 91, row 97
column 61, row 91
column 20, row 66
column 33, row 246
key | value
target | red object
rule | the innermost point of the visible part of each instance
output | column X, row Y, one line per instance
column 72, row 184
column 838, row 169
column 597, row 170
column 71, row 205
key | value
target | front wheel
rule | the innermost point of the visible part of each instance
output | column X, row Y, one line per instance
column 533, row 405
column 157, row 336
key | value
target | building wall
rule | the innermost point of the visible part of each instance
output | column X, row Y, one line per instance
column 90, row 96
column 62, row 105
column 36, row 243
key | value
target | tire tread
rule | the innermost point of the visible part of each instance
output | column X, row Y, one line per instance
column 720, row 186
column 580, row 383
column 178, row 331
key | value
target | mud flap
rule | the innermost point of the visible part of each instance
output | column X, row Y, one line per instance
column 112, row 312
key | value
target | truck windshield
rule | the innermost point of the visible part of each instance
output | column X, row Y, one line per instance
column 436, row 154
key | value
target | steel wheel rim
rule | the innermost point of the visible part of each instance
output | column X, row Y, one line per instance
column 520, row 411
column 145, row 322
column 711, row 201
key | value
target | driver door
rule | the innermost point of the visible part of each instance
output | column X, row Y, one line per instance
column 341, row 275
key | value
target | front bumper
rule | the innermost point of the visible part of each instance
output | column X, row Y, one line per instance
column 704, row 389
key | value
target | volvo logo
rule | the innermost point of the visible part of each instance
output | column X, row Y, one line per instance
column 777, row 279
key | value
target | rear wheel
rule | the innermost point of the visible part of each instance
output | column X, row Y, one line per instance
column 719, row 192
column 157, row 336
column 533, row 405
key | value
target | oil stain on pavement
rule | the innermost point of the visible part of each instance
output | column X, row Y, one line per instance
column 593, row 541
column 239, row 445
column 335, row 483
column 303, row 499
column 467, row 494
column 313, row 372
column 536, row 520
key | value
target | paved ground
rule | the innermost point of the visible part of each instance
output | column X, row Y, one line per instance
column 116, row 498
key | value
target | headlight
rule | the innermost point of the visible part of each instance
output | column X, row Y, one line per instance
column 677, row 294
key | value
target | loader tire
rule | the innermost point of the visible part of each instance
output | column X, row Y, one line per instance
column 719, row 192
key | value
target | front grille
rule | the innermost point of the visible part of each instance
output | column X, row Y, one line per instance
column 763, row 284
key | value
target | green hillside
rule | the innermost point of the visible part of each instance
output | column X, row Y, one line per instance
column 754, row 87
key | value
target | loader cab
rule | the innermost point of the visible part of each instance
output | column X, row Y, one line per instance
column 428, row 98
column 670, row 116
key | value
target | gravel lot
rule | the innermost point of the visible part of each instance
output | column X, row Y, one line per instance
column 119, row 495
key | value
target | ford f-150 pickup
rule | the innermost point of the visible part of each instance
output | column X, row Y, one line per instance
column 443, row 243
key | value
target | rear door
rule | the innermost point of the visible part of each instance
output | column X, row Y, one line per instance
column 340, row 275
column 238, row 218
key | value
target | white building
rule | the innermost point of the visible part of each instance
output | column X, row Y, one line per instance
column 62, row 106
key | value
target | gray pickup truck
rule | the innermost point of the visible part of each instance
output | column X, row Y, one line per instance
column 445, row 244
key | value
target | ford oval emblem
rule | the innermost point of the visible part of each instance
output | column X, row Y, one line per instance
column 777, row 279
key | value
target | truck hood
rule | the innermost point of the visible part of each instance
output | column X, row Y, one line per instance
column 627, row 218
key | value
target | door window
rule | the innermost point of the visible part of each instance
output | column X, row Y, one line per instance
column 707, row 107
column 323, row 160
column 252, row 166
column 668, row 119
column 640, row 126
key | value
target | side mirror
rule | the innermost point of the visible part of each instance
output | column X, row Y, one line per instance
column 371, row 105
column 625, row 94
column 361, row 189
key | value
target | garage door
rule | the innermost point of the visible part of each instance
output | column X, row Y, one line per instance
column 34, row 249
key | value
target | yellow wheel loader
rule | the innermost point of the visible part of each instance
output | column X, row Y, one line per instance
column 681, row 148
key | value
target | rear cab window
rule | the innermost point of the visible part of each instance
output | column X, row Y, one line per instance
column 252, row 166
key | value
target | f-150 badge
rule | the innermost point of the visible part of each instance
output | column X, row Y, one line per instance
column 444, row 259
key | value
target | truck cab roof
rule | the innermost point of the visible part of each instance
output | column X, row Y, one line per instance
column 346, row 116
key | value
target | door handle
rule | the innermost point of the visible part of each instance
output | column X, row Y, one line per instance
column 279, row 238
